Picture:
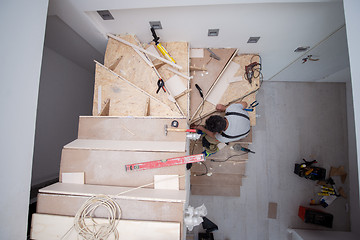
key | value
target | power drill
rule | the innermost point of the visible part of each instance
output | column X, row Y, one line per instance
column 249, row 71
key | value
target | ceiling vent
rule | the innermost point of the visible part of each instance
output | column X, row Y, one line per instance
column 253, row 40
column 155, row 24
column 105, row 15
column 213, row 32
column 302, row 49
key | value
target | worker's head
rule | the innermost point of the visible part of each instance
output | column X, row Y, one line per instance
column 215, row 123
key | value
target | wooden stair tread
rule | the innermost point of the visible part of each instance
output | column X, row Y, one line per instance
column 216, row 179
column 220, row 167
column 209, row 190
column 130, row 128
column 108, row 167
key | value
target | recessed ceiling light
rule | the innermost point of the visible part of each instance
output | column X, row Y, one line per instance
column 253, row 40
column 105, row 14
column 213, row 32
column 302, row 49
column 155, row 24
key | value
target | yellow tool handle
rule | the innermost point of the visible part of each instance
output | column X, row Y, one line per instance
column 164, row 52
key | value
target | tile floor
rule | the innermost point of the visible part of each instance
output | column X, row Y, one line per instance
column 296, row 120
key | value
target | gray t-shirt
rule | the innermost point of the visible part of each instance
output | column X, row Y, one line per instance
column 237, row 124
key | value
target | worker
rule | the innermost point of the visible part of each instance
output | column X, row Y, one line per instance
column 234, row 126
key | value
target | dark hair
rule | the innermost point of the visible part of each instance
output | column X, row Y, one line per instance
column 215, row 123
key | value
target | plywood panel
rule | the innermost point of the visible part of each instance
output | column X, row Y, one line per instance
column 145, row 146
column 217, row 179
column 116, row 192
column 208, row 190
column 125, row 99
column 108, row 167
column 131, row 209
column 133, row 68
column 46, row 227
column 130, row 128
column 205, row 79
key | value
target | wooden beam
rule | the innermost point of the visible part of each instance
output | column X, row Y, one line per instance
column 105, row 111
column 179, row 73
column 115, row 63
column 217, row 79
column 147, row 107
column 143, row 50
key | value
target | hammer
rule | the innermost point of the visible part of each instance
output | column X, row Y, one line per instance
column 177, row 130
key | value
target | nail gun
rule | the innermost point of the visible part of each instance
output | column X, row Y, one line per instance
column 249, row 71
column 160, row 47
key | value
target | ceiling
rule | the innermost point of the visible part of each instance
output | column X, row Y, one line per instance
column 282, row 26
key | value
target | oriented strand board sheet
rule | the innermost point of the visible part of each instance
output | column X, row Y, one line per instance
column 180, row 52
column 131, row 209
column 217, row 179
column 125, row 99
column 73, row 177
column 209, row 190
column 130, row 128
column 45, row 227
column 220, row 167
column 133, row 68
column 206, row 79
column 116, row 192
column 108, row 167
column 223, row 83
column 169, row 182
column 235, row 90
column 145, row 146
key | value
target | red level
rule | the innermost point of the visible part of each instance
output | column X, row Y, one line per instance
column 165, row 163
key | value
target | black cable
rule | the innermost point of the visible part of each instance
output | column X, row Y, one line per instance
column 203, row 174
column 227, row 158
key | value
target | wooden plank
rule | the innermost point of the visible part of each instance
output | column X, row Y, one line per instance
column 73, row 177
column 144, row 51
column 147, row 107
column 220, row 167
column 272, row 210
column 129, row 128
column 126, row 100
column 209, row 190
column 108, row 167
column 105, row 111
column 169, row 182
column 116, row 192
column 217, row 179
column 131, row 209
column 145, row 146
column 55, row 227
column 206, row 77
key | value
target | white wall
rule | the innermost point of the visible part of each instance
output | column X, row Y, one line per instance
column 22, row 24
column 66, row 92
column 352, row 8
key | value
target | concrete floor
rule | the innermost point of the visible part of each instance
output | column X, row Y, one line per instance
column 297, row 120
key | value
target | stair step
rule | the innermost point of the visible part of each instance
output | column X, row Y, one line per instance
column 210, row 190
column 216, row 179
column 130, row 209
column 146, row 146
column 145, row 194
column 220, row 167
column 130, row 128
column 108, row 167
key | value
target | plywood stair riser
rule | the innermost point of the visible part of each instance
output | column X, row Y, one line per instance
column 108, row 167
column 130, row 129
column 220, row 167
column 55, row 227
column 213, row 190
column 216, row 179
column 146, row 146
column 68, row 205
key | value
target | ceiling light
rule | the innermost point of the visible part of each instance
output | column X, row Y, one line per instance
column 253, row 40
column 213, row 32
column 105, row 14
column 302, row 49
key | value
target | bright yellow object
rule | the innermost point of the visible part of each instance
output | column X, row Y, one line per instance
column 164, row 52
